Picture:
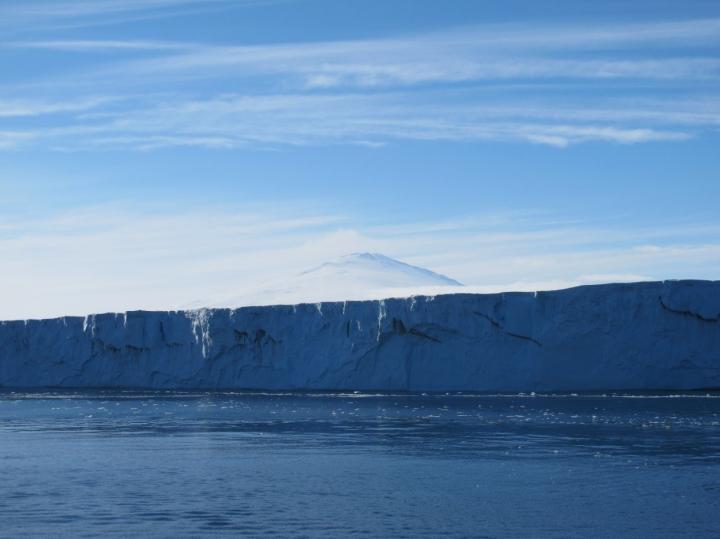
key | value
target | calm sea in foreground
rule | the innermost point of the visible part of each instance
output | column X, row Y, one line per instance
column 170, row 464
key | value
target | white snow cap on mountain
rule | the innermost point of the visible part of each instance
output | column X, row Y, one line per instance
column 356, row 276
column 376, row 271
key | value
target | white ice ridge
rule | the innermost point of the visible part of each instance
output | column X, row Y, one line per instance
column 653, row 335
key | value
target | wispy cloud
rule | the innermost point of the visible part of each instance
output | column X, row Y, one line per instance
column 82, row 8
column 257, row 121
column 14, row 108
column 48, row 14
column 94, row 45
column 432, row 86
column 467, row 54
column 546, row 37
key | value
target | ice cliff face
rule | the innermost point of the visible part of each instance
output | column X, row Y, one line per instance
column 657, row 335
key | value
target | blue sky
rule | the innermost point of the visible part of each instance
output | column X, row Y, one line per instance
column 154, row 152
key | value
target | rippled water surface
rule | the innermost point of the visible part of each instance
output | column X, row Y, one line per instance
column 155, row 464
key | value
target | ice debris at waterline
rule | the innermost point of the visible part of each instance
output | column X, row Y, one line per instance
column 654, row 335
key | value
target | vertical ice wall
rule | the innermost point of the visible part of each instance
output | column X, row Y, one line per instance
column 657, row 335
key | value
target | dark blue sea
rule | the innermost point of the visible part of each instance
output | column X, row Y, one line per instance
column 171, row 464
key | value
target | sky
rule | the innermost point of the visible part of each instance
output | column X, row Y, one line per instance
column 157, row 152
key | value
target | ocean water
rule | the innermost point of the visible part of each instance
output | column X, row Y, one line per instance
column 170, row 464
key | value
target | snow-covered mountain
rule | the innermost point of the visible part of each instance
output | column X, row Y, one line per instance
column 373, row 270
column 351, row 277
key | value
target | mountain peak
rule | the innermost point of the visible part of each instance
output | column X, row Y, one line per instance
column 376, row 270
column 355, row 276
